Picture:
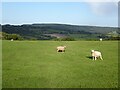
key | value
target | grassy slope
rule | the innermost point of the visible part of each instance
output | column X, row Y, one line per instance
column 28, row 64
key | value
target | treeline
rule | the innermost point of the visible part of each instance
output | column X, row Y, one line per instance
column 71, row 32
column 65, row 39
column 6, row 36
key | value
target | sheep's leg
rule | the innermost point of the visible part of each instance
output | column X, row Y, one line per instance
column 101, row 58
column 95, row 58
column 57, row 50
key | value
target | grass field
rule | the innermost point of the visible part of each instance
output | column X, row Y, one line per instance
column 0, row 64
column 36, row 64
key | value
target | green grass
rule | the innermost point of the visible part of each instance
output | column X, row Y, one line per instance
column 36, row 64
column 0, row 64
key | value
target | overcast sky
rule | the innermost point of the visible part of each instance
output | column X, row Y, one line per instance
column 76, row 13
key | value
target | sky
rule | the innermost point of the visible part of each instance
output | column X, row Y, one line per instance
column 75, row 13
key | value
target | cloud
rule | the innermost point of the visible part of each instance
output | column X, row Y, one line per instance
column 103, row 7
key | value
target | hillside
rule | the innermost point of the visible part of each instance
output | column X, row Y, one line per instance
column 51, row 31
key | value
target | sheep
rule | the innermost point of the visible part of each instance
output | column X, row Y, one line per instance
column 61, row 48
column 100, row 39
column 96, row 54
column 11, row 39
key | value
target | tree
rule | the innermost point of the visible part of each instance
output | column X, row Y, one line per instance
column 68, row 39
column 6, row 36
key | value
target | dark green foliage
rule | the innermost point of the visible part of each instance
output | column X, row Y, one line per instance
column 68, row 39
column 1, row 35
column 7, row 36
column 113, row 38
column 39, row 31
column 64, row 39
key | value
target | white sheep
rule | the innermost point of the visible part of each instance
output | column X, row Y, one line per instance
column 96, row 54
column 61, row 48
column 11, row 39
column 100, row 39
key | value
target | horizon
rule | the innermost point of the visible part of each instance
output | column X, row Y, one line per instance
column 58, row 24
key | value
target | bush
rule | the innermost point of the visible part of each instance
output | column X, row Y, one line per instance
column 6, row 36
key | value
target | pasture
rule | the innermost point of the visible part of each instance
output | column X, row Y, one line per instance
column 36, row 64
column 0, row 64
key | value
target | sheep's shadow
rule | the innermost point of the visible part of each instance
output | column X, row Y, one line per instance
column 90, row 57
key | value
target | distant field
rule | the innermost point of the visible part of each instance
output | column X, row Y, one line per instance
column 36, row 64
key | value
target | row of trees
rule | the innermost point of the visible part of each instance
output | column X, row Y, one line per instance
column 6, row 36
column 113, row 35
column 110, row 36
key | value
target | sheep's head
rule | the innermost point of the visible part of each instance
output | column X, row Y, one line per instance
column 64, row 46
column 92, row 50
